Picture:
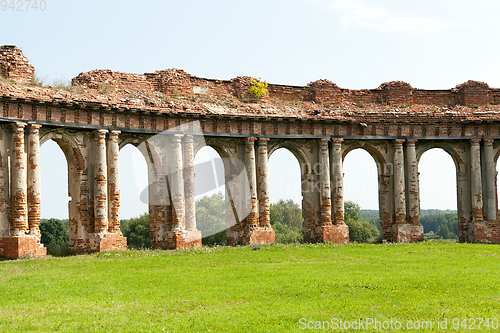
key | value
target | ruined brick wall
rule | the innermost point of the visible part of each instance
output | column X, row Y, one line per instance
column 14, row 64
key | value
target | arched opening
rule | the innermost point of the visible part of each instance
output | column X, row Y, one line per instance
column 361, row 196
column 134, row 197
column 54, row 199
column 438, row 195
column 210, row 195
column 285, row 196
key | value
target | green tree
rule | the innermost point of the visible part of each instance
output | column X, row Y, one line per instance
column 360, row 230
column 286, row 220
column 55, row 236
column 211, row 219
column 137, row 231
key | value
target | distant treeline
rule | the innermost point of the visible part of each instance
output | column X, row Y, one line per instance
column 371, row 213
column 438, row 224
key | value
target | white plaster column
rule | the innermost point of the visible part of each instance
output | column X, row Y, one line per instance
column 489, row 191
column 399, row 183
column 34, row 178
column 413, row 185
column 189, row 183
column 100, row 183
column 324, row 178
column 476, row 185
column 113, row 152
column 19, row 181
column 263, row 183
column 337, row 175
column 252, row 220
column 177, row 185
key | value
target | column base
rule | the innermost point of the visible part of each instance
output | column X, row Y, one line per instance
column 15, row 247
column 179, row 240
column 486, row 232
column 106, row 242
column 232, row 235
column 406, row 233
column 258, row 235
column 338, row 233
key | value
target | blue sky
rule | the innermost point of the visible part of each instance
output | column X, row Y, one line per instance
column 354, row 43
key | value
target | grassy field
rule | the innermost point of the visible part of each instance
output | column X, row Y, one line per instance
column 273, row 289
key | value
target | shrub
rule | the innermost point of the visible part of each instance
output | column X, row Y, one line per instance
column 258, row 88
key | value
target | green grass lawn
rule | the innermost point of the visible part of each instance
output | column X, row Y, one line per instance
column 274, row 289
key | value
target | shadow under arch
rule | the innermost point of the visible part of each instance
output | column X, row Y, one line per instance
column 78, row 204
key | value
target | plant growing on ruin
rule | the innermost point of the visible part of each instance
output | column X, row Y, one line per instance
column 105, row 87
column 258, row 88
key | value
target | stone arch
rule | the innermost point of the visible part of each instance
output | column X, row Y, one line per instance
column 461, row 182
column 297, row 150
column 370, row 149
column 79, row 210
column 384, row 172
column 68, row 145
column 455, row 156
column 310, row 212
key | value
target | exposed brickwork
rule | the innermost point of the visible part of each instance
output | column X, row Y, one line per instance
column 14, row 64
column 403, row 233
column 320, row 122
column 15, row 247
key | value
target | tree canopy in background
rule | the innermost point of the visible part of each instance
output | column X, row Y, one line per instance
column 136, row 230
column 55, row 236
column 211, row 219
column 286, row 220
column 360, row 230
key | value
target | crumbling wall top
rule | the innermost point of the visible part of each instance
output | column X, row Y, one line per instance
column 14, row 65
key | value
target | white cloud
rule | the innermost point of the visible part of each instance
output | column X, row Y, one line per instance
column 355, row 13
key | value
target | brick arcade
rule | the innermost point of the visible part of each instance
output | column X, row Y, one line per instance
column 319, row 123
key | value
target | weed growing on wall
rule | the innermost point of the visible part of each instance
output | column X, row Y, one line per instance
column 258, row 88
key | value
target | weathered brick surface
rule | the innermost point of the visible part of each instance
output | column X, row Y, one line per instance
column 464, row 121
column 14, row 65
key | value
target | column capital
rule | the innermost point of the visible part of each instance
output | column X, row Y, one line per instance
column 488, row 141
column 475, row 142
column 34, row 128
column 323, row 142
column 114, row 133
column 101, row 132
column 398, row 142
column 17, row 127
column 411, row 142
column 188, row 138
column 262, row 141
column 249, row 141
column 337, row 141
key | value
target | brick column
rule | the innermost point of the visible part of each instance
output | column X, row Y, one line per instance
column 113, row 161
column 476, row 186
column 413, row 186
column 324, row 178
column 490, row 179
column 263, row 174
column 252, row 220
column 337, row 175
column 177, row 185
column 100, row 184
column 34, row 186
column 189, row 183
column 19, row 185
column 399, row 183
